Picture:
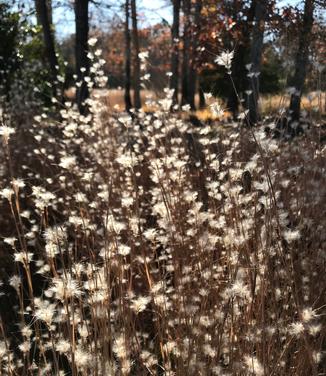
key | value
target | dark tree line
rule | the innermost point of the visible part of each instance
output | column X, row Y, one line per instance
column 184, row 73
column 184, row 61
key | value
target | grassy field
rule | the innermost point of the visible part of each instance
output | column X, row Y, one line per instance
column 150, row 246
column 314, row 102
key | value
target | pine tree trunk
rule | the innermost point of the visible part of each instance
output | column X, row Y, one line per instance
column 43, row 17
column 302, row 59
column 174, row 81
column 255, row 58
column 81, row 50
column 186, row 52
column 127, row 96
column 136, row 70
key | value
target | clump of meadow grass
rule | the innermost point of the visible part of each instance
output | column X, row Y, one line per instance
column 145, row 246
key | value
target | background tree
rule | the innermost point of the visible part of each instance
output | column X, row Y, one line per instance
column 302, row 59
column 153, row 38
column 24, row 78
column 136, row 60
column 44, row 17
column 195, row 45
column 241, row 15
column 255, row 58
column 186, row 52
column 49, row 11
column 127, row 78
column 174, row 81
column 81, row 51
column 9, row 41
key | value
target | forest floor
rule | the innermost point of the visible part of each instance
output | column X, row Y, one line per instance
column 314, row 102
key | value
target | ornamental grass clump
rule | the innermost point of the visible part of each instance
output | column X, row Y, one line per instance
column 146, row 246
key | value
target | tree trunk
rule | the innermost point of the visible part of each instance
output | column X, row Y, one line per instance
column 186, row 52
column 49, row 11
column 127, row 96
column 255, row 58
column 241, row 53
column 136, row 70
column 193, row 60
column 81, row 50
column 202, row 100
column 43, row 12
column 174, row 81
column 239, row 76
column 302, row 59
